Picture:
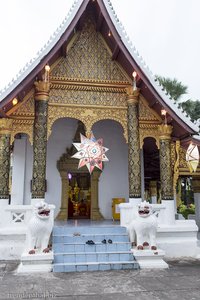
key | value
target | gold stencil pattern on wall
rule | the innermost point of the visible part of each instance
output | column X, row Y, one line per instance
column 134, row 152
column 39, row 150
column 22, row 126
column 4, row 165
column 166, row 170
column 146, row 113
column 92, row 97
column 88, row 58
column 26, row 108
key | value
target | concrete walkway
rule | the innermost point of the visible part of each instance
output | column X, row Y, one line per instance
column 180, row 281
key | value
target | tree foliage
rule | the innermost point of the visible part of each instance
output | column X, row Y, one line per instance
column 176, row 89
column 173, row 87
column 192, row 108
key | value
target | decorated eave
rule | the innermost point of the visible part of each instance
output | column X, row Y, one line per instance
column 123, row 52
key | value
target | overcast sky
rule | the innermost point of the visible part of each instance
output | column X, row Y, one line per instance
column 165, row 32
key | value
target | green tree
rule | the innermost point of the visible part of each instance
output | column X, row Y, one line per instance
column 173, row 87
column 176, row 89
column 192, row 108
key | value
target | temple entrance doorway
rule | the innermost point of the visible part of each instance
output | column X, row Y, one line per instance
column 151, row 170
column 79, row 189
column 79, row 196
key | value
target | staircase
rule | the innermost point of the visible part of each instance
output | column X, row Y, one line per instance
column 72, row 253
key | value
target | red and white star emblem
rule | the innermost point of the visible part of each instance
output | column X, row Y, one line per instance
column 90, row 152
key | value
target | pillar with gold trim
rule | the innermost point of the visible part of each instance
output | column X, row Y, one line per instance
column 196, row 191
column 134, row 163
column 40, row 140
column 166, row 179
column 5, row 134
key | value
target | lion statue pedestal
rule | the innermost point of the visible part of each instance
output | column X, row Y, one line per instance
column 38, row 256
column 142, row 232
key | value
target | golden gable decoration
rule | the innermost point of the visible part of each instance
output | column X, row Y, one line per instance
column 26, row 108
column 146, row 113
column 89, row 58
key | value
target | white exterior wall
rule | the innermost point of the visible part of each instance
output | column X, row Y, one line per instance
column 18, row 171
column 63, row 132
column 28, row 173
column 22, row 171
column 113, row 182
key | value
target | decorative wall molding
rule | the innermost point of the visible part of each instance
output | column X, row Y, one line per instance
column 89, row 116
column 22, row 126
column 90, row 95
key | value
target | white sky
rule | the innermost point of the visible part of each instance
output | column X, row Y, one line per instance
column 165, row 32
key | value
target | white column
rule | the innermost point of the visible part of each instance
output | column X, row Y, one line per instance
column 18, row 171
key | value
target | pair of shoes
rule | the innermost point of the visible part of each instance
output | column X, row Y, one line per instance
column 109, row 241
column 90, row 242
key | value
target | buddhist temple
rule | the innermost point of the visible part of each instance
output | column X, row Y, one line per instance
column 90, row 78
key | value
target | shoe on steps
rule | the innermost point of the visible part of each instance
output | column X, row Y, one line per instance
column 90, row 242
column 110, row 241
column 104, row 241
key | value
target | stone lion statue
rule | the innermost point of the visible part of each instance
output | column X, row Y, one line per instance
column 39, row 229
column 142, row 230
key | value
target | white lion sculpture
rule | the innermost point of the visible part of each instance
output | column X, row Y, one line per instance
column 142, row 230
column 39, row 229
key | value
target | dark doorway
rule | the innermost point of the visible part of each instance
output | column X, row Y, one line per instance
column 79, row 196
column 151, row 165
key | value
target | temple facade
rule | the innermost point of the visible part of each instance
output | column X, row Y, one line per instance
column 90, row 78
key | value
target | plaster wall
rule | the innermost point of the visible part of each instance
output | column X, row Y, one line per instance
column 63, row 132
column 18, row 171
column 22, row 171
column 113, row 182
column 28, row 172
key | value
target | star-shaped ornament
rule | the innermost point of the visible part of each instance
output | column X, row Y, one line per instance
column 91, row 152
column 192, row 157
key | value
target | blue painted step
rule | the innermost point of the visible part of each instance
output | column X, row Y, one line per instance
column 87, row 229
column 82, row 257
column 97, row 238
column 98, row 247
column 94, row 266
column 71, row 253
